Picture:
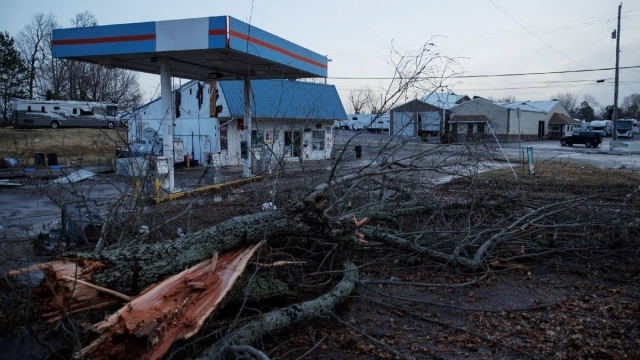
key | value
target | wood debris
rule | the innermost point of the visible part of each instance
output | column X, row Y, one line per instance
column 59, row 292
column 173, row 309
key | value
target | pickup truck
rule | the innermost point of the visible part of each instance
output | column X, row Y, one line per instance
column 588, row 138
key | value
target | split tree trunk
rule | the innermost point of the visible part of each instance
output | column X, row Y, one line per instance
column 131, row 269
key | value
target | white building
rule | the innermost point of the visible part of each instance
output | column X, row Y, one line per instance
column 290, row 120
column 531, row 119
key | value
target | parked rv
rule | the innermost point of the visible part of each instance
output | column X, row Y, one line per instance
column 340, row 124
column 627, row 127
column 604, row 126
column 55, row 114
column 358, row 121
column 381, row 124
column 369, row 122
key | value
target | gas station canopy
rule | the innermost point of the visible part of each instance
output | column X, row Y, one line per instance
column 215, row 48
column 212, row 48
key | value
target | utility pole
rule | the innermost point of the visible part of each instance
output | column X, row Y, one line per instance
column 614, row 117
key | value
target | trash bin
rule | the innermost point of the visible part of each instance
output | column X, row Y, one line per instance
column 358, row 151
column 38, row 158
column 52, row 159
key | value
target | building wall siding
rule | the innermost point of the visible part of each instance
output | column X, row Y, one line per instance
column 498, row 115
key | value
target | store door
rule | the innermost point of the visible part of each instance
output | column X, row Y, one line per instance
column 540, row 130
column 292, row 142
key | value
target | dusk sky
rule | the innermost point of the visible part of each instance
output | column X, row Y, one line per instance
column 486, row 37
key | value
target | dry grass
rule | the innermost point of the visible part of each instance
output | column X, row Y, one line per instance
column 567, row 172
column 555, row 178
column 92, row 146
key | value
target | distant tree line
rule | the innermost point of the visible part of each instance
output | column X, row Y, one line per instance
column 589, row 109
column 29, row 70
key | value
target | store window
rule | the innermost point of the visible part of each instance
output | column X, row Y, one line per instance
column 318, row 137
column 257, row 139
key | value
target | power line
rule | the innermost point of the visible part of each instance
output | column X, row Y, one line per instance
column 532, row 33
column 463, row 89
column 522, row 84
column 553, row 27
column 485, row 75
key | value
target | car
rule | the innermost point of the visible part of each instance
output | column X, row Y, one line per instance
column 588, row 138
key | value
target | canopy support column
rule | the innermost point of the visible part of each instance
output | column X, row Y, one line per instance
column 167, row 120
column 246, row 159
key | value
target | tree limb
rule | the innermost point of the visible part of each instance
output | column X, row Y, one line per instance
column 286, row 316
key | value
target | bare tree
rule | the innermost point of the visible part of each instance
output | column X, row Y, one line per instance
column 568, row 101
column 361, row 101
column 591, row 101
column 33, row 41
column 71, row 80
column 508, row 99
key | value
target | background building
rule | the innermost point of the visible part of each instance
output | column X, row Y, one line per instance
column 533, row 120
column 424, row 115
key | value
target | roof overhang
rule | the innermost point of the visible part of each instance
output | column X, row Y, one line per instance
column 469, row 119
column 561, row 119
column 219, row 47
